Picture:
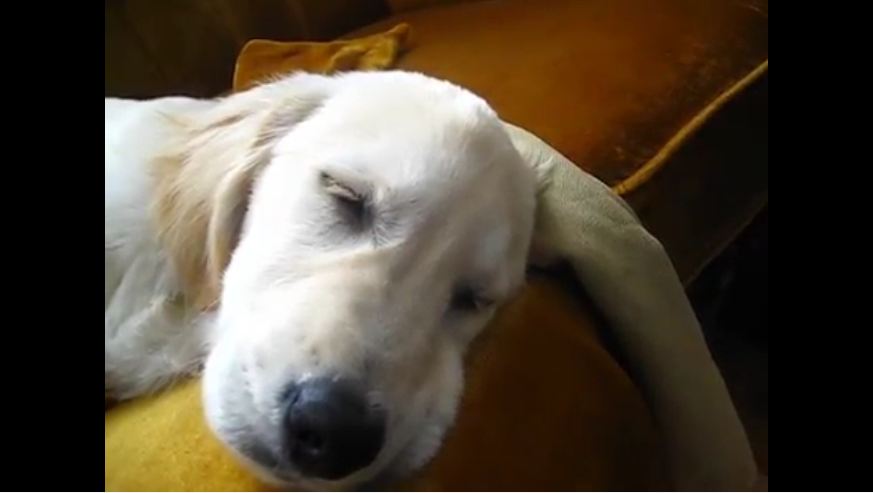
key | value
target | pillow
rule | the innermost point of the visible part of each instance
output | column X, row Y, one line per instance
column 261, row 59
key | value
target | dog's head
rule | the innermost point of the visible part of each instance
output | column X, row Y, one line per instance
column 356, row 232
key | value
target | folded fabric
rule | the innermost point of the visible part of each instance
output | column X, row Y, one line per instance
column 632, row 280
column 261, row 59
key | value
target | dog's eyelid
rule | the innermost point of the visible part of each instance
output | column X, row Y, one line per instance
column 469, row 298
column 485, row 301
column 341, row 190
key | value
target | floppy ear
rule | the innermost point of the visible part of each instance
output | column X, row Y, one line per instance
column 204, row 182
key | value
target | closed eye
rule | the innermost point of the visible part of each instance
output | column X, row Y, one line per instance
column 351, row 203
column 465, row 299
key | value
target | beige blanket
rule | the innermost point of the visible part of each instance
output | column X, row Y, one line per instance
column 629, row 275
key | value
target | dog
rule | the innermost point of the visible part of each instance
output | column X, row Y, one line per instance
column 325, row 248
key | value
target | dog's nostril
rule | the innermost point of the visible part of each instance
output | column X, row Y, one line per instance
column 310, row 440
column 330, row 431
column 295, row 396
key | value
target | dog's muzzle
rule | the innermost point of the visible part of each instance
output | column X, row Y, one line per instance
column 329, row 428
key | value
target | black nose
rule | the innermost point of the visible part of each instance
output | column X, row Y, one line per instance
column 330, row 429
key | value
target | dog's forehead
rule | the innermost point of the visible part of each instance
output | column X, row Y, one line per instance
column 431, row 153
column 401, row 107
column 399, row 93
column 404, row 136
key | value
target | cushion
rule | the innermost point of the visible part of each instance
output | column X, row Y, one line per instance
column 262, row 59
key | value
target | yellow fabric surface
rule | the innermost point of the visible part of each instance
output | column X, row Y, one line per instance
column 260, row 59
column 162, row 443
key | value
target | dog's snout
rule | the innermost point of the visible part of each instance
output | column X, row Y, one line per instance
column 330, row 428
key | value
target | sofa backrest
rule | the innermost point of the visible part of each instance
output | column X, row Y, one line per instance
column 189, row 47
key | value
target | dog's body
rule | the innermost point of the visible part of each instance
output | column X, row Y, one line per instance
column 329, row 246
column 151, row 336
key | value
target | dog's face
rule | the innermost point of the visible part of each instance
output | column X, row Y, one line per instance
column 383, row 230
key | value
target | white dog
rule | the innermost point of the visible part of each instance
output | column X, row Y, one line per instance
column 329, row 246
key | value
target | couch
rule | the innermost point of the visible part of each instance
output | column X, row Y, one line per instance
column 664, row 101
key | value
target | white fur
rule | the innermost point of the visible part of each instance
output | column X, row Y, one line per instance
column 303, row 293
column 150, row 338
